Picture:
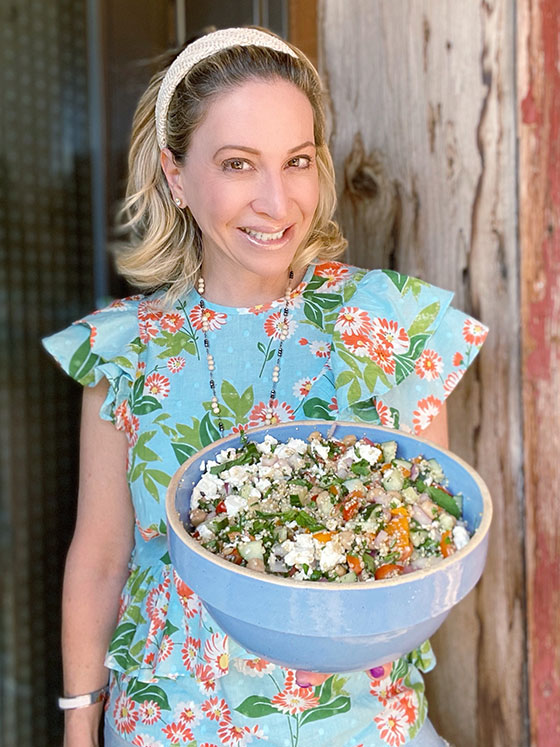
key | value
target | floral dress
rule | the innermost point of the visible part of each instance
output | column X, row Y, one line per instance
column 376, row 346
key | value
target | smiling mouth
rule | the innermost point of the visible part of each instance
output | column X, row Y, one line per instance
column 261, row 236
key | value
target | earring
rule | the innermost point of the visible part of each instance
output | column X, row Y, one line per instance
column 178, row 201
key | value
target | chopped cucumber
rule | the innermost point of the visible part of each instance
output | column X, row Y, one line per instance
column 253, row 549
column 393, row 479
column 389, row 449
column 403, row 464
column 410, row 495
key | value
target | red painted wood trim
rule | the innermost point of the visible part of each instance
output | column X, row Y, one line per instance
column 539, row 59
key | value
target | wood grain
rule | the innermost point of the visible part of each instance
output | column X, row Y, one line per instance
column 539, row 164
column 424, row 144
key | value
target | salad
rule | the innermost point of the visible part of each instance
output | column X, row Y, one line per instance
column 326, row 509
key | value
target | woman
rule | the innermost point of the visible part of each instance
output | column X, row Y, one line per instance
column 250, row 320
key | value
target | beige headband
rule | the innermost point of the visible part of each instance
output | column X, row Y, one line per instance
column 204, row 47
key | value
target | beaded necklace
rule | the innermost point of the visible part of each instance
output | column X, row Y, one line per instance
column 214, row 403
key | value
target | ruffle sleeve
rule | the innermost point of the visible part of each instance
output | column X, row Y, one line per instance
column 104, row 344
column 399, row 349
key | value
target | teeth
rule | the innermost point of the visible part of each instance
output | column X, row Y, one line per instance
column 264, row 236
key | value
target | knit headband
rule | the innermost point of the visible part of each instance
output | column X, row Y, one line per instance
column 204, row 47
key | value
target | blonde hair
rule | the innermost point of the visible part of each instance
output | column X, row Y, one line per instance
column 164, row 246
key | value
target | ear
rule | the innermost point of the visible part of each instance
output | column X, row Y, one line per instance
column 173, row 175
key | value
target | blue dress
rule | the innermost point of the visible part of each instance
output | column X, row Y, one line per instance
column 376, row 346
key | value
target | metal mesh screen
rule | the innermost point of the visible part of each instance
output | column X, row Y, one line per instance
column 45, row 282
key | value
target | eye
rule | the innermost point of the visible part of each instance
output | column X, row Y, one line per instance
column 235, row 164
column 300, row 162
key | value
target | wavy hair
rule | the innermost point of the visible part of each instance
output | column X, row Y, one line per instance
column 163, row 247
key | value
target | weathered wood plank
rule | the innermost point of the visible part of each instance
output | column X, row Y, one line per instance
column 539, row 151
column 423, row 121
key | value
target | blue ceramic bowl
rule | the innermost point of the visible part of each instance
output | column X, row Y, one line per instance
column 329, row 627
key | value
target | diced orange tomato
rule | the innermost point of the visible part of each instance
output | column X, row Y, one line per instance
column 386, row 466
column 324, row 536
column 350, row 508
column 388, row 570
column 333, row 490
column 398, row 530
column 355, row 564
column 446, row 545
column 221, row 508
column 405, row 472
column 234, row 556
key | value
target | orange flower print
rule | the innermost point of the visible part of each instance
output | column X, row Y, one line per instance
column 157, row 386
column 157, row 603
column 276, row 327
column 294, row 699
column 392, row 726
column 238, row 736
column 385, row 690
column 303, row 341
column 149, row 711
column 293, row 300
column 452, row 380
column 383, row 356
column 458, row 359
column 176, row 364
column 144, row 740
column 385, row 415
column 333, row 404
column 215, row 319
column 172, row 322
column 205, row 677
column 357, row 344
column 320, row 348
column 353, row 321
column 207, row 744
column 92, row 335
column 189, row 652
column 177, row 733
column 428, row 408
column 125, row 714
column 281, row 412
column 408, row 703
column 335, row 272
column 429, row 365
column 127, row 422
column 388, row 332
column 147, row 330
column 189, row 601
column 302, row 387
column 260, row 308
column 216, row 653
column 474, row 333
column 150, row 310
column 118, row 304
column 254, row 667
column 217, row 710
column 166, row 648
column 188, row 713
column 148, row 533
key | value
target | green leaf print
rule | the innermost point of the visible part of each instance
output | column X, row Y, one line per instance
column 343, row 378
column 208, row 431
column 175, row 343
column 417, row 344
column 398, row 279
column 350, row 361
column 326, row 301
column 317, row 409
column 138, row 647
column 161, row 477
column 424, row 319
column 145, row 405
column 354, row 392
column 366, row 411
column 142, row 451
column 191, row 434
column 133, row 613
column 256, row 706
column 137, row 471
column 123, row 362
column 137, row 346
column 169, row 628
column 313, row 313
column 399, row 669
column 334, row 708
column 123, row 637
column 315, row 283
column 183, row 451
column 150, row 486
column 238, row 404
column 82, row 361
column 415, row 285
column 141, row 691
column 133, row 586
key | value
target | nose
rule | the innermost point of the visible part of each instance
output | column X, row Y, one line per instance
column 273, row 197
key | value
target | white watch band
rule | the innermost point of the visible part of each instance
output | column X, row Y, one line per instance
column 82, row 701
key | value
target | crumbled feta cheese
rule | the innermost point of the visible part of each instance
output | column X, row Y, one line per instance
column 320, row 449
column 370, row 453
column 234, row 504
column 265, row 447
column 460, row 536
column 300, row 551
column 208, row 486
column 205, row 532
column 330, row 556
column 236, row 475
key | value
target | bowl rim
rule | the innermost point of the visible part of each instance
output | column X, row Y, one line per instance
column 477, row 538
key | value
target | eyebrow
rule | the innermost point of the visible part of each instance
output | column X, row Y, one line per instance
column 246, row 149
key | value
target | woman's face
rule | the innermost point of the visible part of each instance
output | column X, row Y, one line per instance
column 250, row 178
